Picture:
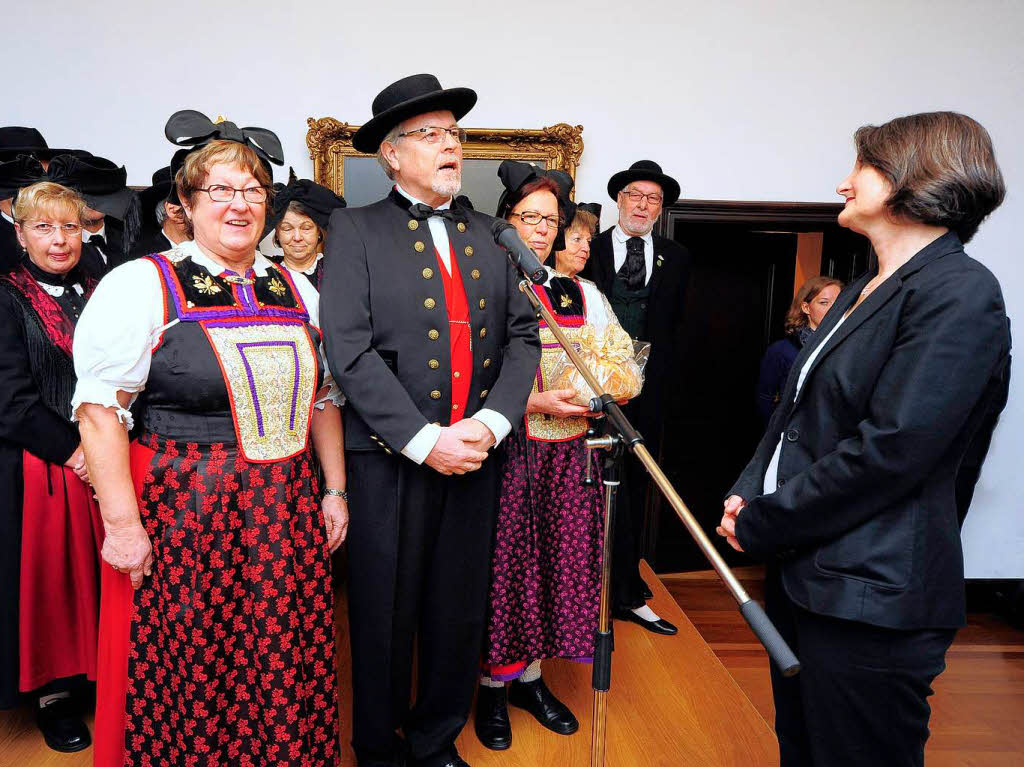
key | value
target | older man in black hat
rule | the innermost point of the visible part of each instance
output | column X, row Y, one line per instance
column 163, row 222
column 435, row 349
column 644, row 277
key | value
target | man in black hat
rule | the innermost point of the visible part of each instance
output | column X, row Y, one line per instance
column 644, row 277
column 163, row 222
column 435, row 348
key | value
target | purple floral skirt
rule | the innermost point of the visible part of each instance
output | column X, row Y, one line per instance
column 546, row 568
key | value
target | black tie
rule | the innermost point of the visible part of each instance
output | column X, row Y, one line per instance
column 422, row 212
column 98, row 242
column 634, row 270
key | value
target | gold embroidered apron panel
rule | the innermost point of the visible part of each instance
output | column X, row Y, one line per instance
column 270, row 369
column 541, row 426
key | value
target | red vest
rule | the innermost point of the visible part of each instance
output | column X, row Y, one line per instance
column 460, row 335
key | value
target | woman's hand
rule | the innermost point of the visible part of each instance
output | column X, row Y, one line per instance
column 727, row 527
column 556, row 402
column 128, row 550
column 77, row 464
column 335, row 510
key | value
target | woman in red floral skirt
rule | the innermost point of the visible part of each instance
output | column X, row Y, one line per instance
column 216, row 626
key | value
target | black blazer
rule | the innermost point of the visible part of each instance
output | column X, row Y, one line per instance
column 671, row 272
column 864, row 521
column 385, row 326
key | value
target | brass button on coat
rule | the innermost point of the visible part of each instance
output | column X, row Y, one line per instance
column 435, row 394
column 484, row 393
column 475, row 274
column 434, row 364
column 414, row 225
column 487, row 362
column 428, row 273
column 433, row 335
column 430, row 303
column 469, row 250
column 483, row 303
column 456, row 374
column 419, row 246
column 483, row 332
column 460, row 226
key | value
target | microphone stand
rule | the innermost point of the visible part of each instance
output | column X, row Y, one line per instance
column 620, row 435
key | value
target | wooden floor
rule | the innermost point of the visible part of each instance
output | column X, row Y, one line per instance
column 978, row 705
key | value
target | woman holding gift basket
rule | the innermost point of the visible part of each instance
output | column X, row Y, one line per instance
column 546, row 567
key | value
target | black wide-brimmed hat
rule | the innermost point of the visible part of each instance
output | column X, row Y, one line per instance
column 408, row 97
column 317, row 200
column 593, row 208
column 15, row 140
column 192, row 130
column 156, row 192
column 645, row 170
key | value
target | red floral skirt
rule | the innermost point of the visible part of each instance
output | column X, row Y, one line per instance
column 226, row 653
column 59, row 598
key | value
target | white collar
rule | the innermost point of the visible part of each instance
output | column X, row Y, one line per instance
column 87, row 235
column 190, row 249
column 312, row 269
column 619, row 234
column 6, row 217
column 443, row 206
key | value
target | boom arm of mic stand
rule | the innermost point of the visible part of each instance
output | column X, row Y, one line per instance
column 752, row 612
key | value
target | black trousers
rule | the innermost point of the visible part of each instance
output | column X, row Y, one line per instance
column 861, row 697
column 627, row 587
column 419, row 550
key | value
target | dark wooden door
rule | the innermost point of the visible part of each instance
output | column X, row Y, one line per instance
column 741, row 286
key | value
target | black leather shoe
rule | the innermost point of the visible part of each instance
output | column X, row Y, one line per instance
column 491, row 718
column 536, row 698
column 660, row 626
column 62, row 726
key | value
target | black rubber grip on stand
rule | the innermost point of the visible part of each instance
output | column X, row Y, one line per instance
column 770, row 637
column 603, row 661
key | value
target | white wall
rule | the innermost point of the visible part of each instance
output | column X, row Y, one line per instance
column 747, row 101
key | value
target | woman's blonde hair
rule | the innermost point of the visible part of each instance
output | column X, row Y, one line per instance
column 583, row 221
column 46, row 197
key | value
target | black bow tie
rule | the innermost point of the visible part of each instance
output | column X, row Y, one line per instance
column 422, row 212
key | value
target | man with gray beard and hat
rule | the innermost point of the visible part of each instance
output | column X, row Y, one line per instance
column 435, row 348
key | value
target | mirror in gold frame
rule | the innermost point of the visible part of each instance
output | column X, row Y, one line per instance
column 360, row 179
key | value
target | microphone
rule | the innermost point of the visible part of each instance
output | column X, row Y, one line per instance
column 519, row 253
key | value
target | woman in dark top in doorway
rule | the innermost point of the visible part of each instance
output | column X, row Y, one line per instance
column 810, row 305
column 850, row 497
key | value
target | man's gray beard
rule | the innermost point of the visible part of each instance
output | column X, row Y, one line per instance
column 645, row 231
column 447, row 188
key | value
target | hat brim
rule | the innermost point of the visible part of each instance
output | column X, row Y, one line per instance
column 669, row 186
column 9, row 153
column 115, row 204
column 457, row 100
column 150, row 196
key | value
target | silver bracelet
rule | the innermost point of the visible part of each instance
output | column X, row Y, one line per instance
column 343, row 494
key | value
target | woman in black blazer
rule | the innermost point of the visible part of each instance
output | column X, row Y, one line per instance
column 850, row 497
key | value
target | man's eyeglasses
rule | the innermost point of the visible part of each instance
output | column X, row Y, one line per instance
column 635, row 196
column 222, row 193
column 433, row 134
column 533, row 218
column 44, row 229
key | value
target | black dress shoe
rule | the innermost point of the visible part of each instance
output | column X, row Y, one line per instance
column 61, row 724
column 536, row 698
column 660, row 626
column 491, row 718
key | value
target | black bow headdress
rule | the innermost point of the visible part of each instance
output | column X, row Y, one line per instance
column 514, row 175
column 192, row 130
column 317, row 200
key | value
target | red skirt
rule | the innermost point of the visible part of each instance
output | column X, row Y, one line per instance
column 225, row 655
column 58, row 614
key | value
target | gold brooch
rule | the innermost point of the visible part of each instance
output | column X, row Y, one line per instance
column 277, row 287
column 566, row 302
column 205, row 285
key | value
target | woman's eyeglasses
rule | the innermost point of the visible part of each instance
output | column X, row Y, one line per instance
column 533, row 218
column 45, row 229
column 222, row 193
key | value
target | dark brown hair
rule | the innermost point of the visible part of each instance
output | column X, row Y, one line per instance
column 795, row 317
column 941, row 166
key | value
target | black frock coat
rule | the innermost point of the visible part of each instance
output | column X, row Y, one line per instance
column 864, row 523
column 671, row 273
column 385, row 325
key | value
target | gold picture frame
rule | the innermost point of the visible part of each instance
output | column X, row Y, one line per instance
column 557, row 147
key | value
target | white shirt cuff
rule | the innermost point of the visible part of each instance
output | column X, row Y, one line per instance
column 496, row 422
column 419, row 447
